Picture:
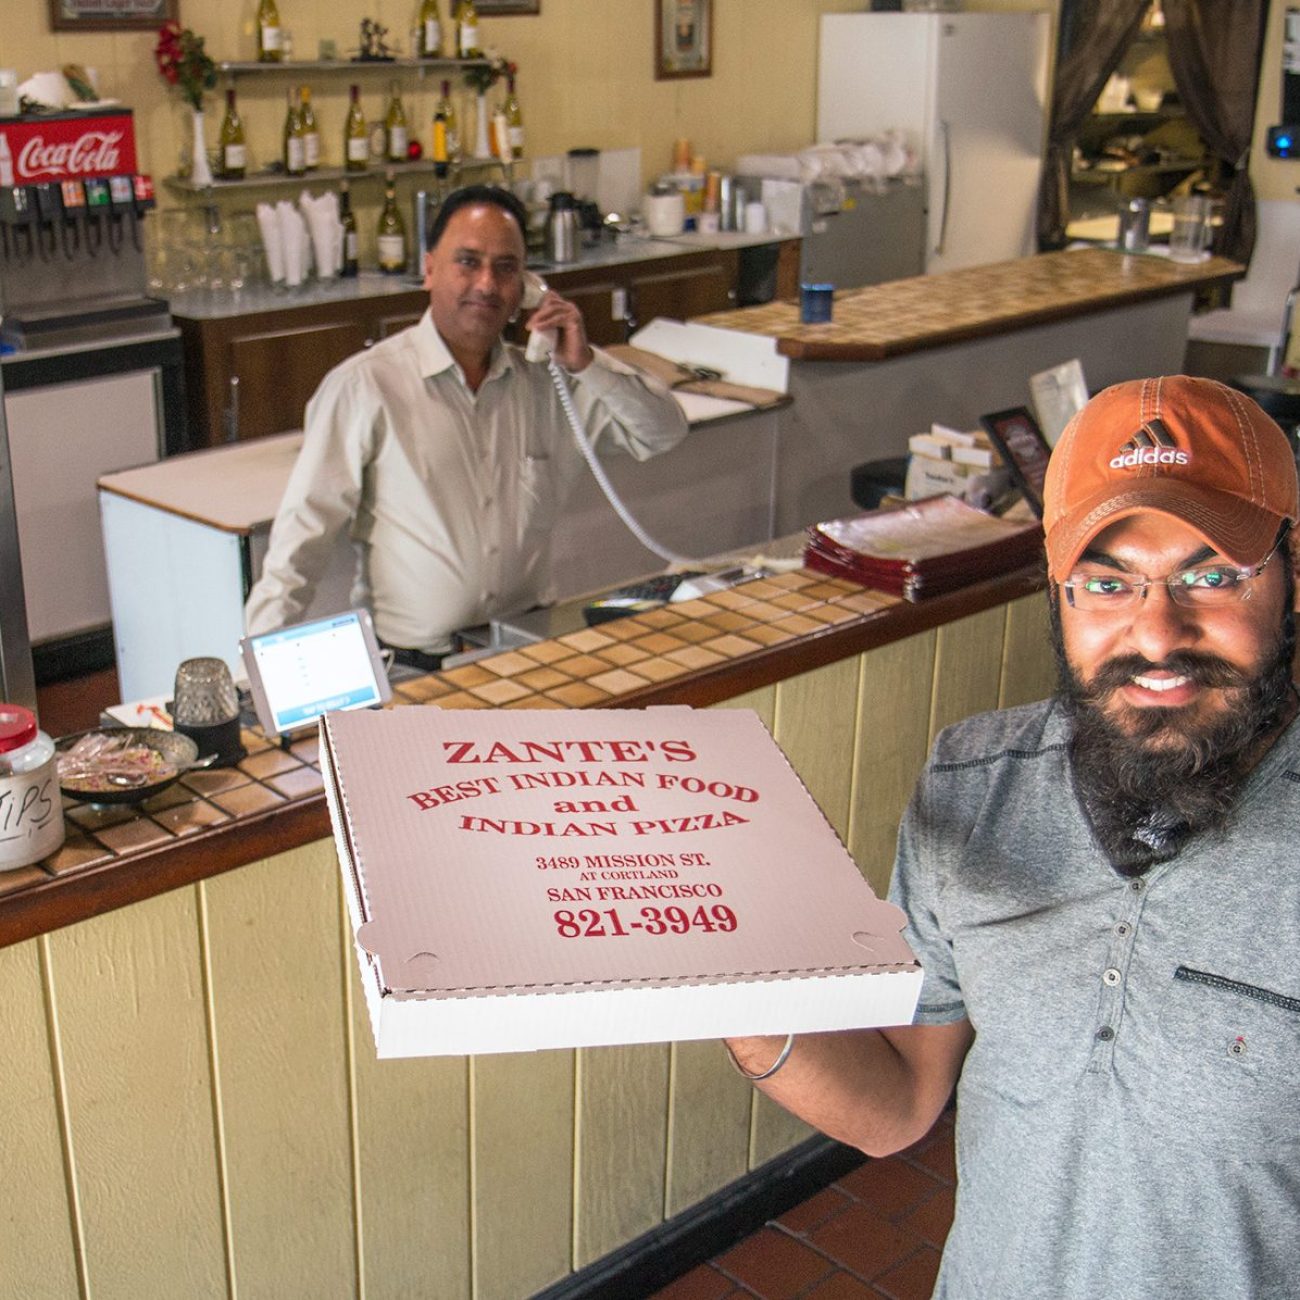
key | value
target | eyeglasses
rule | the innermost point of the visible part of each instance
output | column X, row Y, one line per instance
column 1205, row 586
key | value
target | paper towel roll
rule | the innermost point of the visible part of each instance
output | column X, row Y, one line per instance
column 665, row 213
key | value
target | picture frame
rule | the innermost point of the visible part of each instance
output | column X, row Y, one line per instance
column 1020, row 442
column 503, row 8
column 110, row 15
column 683, row 39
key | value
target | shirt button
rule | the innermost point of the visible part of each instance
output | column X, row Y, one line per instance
column 1111, row 976
column 1105, row 1034
column 1135, row 886
column 1122, row 929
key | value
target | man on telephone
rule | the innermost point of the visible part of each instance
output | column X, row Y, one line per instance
column 444, row 455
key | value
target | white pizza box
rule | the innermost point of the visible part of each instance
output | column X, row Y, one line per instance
column 525, row 879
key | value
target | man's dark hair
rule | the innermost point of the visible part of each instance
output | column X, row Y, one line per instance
column 470, row 195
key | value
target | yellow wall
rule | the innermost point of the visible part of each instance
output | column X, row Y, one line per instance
column 585, row 73
column 1273, row 178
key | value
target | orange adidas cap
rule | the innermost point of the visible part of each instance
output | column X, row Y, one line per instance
column 1188, row 447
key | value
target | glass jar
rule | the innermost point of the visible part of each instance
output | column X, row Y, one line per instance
column 31, row 808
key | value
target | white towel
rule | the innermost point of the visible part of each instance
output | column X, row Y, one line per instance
column 321, row 212
column 268, row 223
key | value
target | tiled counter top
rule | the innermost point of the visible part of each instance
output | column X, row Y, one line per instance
column 901, row 316
column 696, row 653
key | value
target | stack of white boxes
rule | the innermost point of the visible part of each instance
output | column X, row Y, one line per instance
column 947, row 460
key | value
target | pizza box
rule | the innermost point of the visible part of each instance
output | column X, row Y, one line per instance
column 520, row 880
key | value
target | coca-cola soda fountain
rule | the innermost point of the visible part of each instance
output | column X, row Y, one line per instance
column 72, row 206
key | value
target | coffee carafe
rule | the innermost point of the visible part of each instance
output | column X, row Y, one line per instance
column 562, row 228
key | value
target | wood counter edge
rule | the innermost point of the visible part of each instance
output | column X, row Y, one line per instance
column 814, row 350
column 64, row 900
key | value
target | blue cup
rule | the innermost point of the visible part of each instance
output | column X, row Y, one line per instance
column 816, row 303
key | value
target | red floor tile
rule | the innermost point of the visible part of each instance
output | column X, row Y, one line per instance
column 939, row 1157
column 774, row 1265
column 703, row 1283
column 889, row 1187
column 864, row 1242
column 932, row 1219
column 815, row 1211
column 841, row 1286
column 913, row 1279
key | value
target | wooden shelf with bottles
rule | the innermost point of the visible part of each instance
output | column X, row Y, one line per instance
column 239, row 68
column 323, row 175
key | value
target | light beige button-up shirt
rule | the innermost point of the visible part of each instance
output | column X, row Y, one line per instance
column 449, row 495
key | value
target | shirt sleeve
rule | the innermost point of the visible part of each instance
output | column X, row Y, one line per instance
column 915, row 887
column 320, row 501
column 625, row 409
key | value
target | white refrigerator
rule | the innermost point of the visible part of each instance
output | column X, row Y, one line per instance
column 969, row 91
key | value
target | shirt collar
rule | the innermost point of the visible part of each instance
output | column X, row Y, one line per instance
column 435, row 357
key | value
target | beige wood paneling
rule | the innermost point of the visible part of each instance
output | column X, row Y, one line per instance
column 273, row 932
column 622, row 1131
column 709, row 1107
column 816, row 716
column 762, row 701
column 967, row 666
column 37, row 1248
column 412, row 1119
column 1028, row 667
column 895, row 688
column 523, row 1142
column 133, row 1032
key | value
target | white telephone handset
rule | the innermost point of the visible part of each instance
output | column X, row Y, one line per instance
column 541, row 343
column 541, row 347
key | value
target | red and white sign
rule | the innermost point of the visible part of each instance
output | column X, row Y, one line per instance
column 525, row 880
column 70, row 148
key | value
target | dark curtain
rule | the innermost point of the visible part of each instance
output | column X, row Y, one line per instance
column 1099, row 31
column 1214, row 50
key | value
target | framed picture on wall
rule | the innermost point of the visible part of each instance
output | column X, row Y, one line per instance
column 683, row 38
column 494, row 7
column 109, row 15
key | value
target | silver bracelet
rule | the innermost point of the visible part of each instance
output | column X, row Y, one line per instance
column 781, row 1058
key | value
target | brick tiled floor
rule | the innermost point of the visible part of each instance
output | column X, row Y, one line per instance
column 876, row 1234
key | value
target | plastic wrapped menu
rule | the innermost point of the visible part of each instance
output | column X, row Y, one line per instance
column 922, row 549
column 523, row 879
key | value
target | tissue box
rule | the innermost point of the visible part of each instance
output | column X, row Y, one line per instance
column 564, row 878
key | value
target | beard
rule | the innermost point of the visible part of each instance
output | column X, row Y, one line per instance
column 1152, row 778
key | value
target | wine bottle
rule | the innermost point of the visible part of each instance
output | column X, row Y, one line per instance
column 447, row 110
column 395, row 128
column 430, row 30
column 391, row 232
column 233, row 147
column 467, row 46
column 356, row 138
column 270, row 36
column 348, row 221
column 310, row 133
column 514, row 120
column 441, row 154
column 295, row 151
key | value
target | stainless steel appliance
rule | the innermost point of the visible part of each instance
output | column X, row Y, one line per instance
column 93, row 365
column 854, row 232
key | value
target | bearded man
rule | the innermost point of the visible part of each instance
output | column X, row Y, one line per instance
column 1103, row 889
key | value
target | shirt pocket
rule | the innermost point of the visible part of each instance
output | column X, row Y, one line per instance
column 1229, row 1048
column 535, row 499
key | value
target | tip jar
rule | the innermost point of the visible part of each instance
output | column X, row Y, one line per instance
column 31, row 808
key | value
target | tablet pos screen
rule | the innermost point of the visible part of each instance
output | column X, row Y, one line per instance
column 300, row 672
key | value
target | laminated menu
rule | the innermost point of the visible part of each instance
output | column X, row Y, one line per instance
column 925, row 548
column 524, row 879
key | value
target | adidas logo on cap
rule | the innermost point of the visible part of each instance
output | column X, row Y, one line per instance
column 1153, row 444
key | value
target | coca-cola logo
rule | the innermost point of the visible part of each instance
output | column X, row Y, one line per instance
column 95, row 152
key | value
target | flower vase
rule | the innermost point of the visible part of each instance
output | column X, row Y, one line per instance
column 482, row 149
column 200, row 167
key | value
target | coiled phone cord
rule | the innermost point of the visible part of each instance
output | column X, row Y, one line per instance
column 598, row 470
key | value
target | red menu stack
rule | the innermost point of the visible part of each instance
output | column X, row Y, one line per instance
column 922, row 549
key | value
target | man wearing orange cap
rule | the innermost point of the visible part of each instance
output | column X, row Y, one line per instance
column 1104, row 892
